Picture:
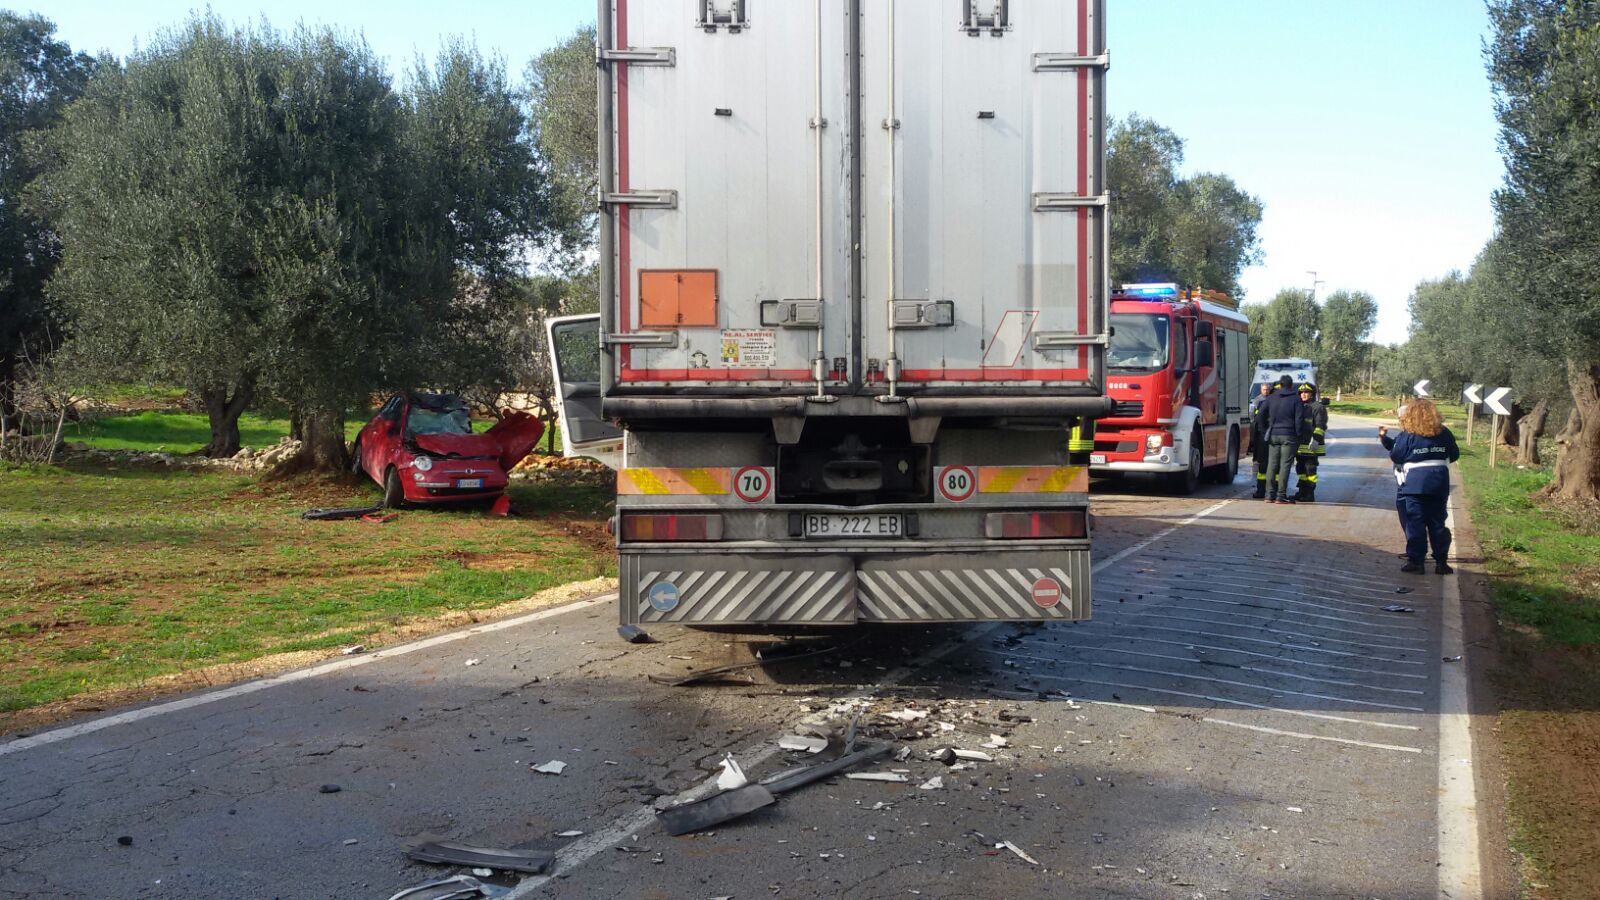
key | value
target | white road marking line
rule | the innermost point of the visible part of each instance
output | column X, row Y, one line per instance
column 1101, row 617
column 1247, row 579
column 1329, row 717
column 1191, row 645
column 1101, row 648
column 576, row 854
column 1244, row 684
column 1460, row 872
column 1365, row 645
column 1312, row 737
column 250, row 687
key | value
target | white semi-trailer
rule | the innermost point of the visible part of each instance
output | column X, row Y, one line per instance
column 853, row 292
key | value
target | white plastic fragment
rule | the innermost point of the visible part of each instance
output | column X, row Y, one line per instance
column 569, row 834
column 978, row 755
column 1294, row 809
column 946, row 726
column 483, row 873
column 995, row 742
column 908, row 715
column 473, row 662
column 553, row 767
column 932, row 784
column 802, row 742
column 1018, row 851
column 877, row 776
column 732, row 774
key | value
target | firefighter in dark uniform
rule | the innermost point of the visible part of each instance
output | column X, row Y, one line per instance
column 1316, row 446
column 1258, row 439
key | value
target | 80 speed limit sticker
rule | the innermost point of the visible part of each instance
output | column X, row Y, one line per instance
column 957, row 483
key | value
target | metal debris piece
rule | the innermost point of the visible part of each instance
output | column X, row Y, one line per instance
column 716, row 809
column 908, row 715
column 569, row 834
column 1018, row 851
column 995, row 742
column 452, row 853
column 456, row 887
column 1450, row 658
column 1402, row 590
column 932, row 784
column 976, row 755
column 553, row 767
column 1397, row 608
column 878, row 776
column 732, row 776
column 803, row 742
column 633, row 634
column 790, row 780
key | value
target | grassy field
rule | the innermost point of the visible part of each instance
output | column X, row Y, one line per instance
column 114, row 576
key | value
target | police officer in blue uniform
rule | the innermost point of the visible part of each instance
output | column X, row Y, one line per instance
column 1422, row 454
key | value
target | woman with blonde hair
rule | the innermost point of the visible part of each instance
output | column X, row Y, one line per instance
column 1422, row 455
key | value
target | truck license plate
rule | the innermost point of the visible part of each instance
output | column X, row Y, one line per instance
column 469, row 482
column 819, row 525
column 1097, row 459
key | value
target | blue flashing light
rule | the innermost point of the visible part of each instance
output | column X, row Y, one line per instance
column 1151, row 290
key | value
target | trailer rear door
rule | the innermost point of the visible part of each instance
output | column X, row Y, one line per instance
column 982, row 140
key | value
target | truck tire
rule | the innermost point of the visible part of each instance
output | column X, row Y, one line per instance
column 394, row 494
column 1186, row 481
column 1224, row 473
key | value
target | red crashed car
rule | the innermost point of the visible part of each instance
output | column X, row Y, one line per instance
column 421, row 449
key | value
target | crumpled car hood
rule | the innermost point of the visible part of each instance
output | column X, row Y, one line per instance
column 512, row 438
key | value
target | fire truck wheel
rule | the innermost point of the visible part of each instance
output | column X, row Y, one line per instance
column 1224, row 473
column 1186, row 481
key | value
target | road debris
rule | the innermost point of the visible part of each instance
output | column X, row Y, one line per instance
column 320, row 514
column 125, row 840
column 932, row 784
column 878, row 776
column 329, row 789
column 732, row 774
column 569, row 834
column 483, row 873
column 714, row 810
column 995, row 742
column 908, row 715
column 456, row 887
column 457, row 854
column 1450, row 658
column 553, row 767
column 1397, row 608
column 803, row 742
column 353, row 650
column 633, row 634
column 474, row 662
column 1294, row 809
column 1022, row 854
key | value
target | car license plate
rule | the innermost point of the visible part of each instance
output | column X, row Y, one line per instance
column 819, row 525
column 1097, row 459
column 469, row 482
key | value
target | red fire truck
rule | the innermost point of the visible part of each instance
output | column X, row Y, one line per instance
column 1178, row 369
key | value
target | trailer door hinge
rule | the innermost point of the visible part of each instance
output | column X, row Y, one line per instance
column 641, row 56
column 642, row 199
column 1068, row 62
column 1047, row 201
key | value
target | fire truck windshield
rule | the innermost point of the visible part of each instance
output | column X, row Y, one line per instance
column 1138, row 342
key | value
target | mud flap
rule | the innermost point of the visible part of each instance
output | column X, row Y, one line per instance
column 1040, row 585
column 737, row 589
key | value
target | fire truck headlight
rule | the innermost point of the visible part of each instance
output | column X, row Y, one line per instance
column 1152, row 442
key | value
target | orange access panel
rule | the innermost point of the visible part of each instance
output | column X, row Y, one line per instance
column 669, row 298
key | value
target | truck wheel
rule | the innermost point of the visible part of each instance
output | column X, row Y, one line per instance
column 394, row 495
column 1224, row 473
column 1186, row 481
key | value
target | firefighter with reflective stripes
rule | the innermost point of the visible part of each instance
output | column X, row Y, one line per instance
column 1082, row 437
column 1309, row 454
column 1258, row 439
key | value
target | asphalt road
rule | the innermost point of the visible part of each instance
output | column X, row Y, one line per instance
column 1242, row 718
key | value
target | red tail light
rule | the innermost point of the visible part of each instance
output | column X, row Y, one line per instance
column 671, row 527
column 1012, row 525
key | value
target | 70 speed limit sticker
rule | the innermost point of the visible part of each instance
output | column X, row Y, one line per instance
column 752, row 484
column 957, row 483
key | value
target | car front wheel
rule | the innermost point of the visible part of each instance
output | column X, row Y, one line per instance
column 394, row 494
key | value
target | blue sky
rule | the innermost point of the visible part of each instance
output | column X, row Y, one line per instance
column 1364, row 126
